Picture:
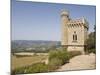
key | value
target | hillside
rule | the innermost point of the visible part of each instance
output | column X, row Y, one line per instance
column 33, row 45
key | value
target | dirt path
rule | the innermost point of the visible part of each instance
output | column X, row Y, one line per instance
column 80, row 62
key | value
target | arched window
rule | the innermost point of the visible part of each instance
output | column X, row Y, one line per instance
column 74, row 36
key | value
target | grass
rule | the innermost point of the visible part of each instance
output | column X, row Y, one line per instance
column 17, row 62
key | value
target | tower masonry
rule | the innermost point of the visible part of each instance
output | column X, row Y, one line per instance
column 73, row 32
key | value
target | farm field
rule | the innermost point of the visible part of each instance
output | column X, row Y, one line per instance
column 17, row 62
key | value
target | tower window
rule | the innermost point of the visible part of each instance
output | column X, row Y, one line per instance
column 74, row 36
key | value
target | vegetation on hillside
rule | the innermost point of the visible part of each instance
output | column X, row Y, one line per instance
column 34, row 68
column 36, row 46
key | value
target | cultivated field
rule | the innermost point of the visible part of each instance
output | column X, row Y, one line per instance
column 17, row 62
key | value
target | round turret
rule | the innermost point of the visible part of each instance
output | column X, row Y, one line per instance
column 64, row 21
column 64, row 13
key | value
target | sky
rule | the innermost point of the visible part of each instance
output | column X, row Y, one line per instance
column 42, row 21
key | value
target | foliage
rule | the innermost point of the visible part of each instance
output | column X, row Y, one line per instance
column 91, row 43
column 59, row 55
column 54, row 64
column 91, row 50
column 34, row 68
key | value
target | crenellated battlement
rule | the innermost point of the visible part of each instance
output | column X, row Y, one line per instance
column 78, row 23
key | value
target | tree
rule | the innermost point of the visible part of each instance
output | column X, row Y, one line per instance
column 91, row 42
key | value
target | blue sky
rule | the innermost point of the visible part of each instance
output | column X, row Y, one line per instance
column 42, row 21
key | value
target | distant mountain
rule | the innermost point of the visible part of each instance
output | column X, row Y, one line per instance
column 33, row 43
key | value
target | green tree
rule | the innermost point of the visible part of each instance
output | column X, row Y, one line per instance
column 91, row 42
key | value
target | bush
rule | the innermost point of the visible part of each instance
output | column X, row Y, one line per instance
column 58, row 55
column 34, row 68
column 74, row 53
column 37, row 68
column 18, row 71
column 92, row 51
column 54, row 64
column 91, row 43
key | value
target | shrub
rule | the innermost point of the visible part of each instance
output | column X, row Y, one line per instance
column 34, row 68
column 74, row 53
column 92, row 51
column 18, row 71
column 37, row 68
column 54, row 64
column 91, row 43
column 58, row 55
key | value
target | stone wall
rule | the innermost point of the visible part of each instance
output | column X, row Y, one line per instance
column 76, row 48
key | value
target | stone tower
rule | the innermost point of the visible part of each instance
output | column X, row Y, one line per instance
column 74, row 32
column 64, row 21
